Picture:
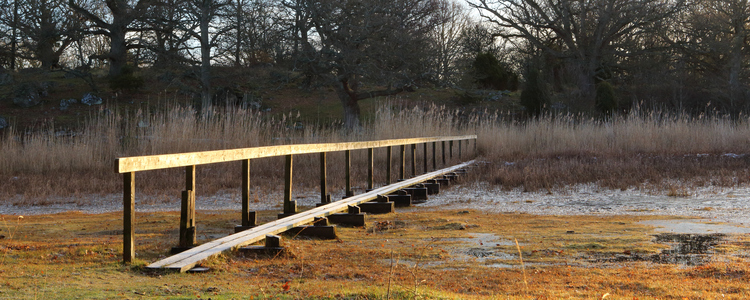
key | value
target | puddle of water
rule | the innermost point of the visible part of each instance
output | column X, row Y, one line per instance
column 690, row 243
column 687, row 249
column 694, row 226
column 481, row 247
column 484, row 240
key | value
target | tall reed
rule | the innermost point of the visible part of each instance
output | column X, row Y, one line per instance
column 48, row 162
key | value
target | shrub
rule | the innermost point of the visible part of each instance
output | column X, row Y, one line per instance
column 492, row 74
column 606, row 101
column 126, row 80
column 534, row 96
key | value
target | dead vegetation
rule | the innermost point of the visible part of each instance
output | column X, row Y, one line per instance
column 620, row 153
column 74, row 255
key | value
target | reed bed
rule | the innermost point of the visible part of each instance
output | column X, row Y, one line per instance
column 639, row 132
column 535, row 153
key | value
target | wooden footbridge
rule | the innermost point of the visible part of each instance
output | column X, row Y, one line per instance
column 290, row 218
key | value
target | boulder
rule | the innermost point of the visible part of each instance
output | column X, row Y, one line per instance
column 5, row 76
column 65, row 103
column 28, row 94
column 3, row 122
column 91, row 99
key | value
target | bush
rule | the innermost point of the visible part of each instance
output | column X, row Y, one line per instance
column 534, row 96
column 492, row 74
column 126, row 80
column 606, row 102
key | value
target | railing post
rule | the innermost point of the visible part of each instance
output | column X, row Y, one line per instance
column 443, row 153
column 187, row 212
column 424, row 157
column 402, row 164
column 434, row 156
column 389, row 158
column 246, row 219
column 414, row 160
column 290, row 206
column 475, row 147
column 347, row 167
column 128, row 217
column 459, row 148
column 451, row 149
column 324, row 198
column 370, row 158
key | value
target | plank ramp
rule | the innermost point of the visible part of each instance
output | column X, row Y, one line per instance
column 188, row 259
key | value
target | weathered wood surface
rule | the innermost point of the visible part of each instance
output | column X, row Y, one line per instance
column 128, row 218
column 155, row 162
column 188, row 259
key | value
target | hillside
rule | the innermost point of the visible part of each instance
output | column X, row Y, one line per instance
column 274, row 92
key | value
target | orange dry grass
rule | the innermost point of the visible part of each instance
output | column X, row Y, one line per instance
column 74, row 255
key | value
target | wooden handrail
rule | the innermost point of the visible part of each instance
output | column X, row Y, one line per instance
column 165, row 161
column 128, row 166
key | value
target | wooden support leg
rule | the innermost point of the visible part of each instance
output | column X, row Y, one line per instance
column 459, row 149
column 424, row 157
column 414, row 160
column 187, row 220
column 402, row 164
column 249, row 219
column 389, row 158
column 246, row 193
column 128, row 217
column 187, row 212
column 370, row 165
column 443, row 153
column 324, row 197
column 451, row 149
column 290, row 206
column 434, row 156
column 252, row 221
column 347, row 169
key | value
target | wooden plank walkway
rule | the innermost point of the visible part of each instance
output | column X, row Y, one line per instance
column 188, row 259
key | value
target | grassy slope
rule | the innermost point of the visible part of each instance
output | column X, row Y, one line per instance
column 276, row 90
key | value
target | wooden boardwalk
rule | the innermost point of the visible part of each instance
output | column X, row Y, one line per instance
column 190, row 258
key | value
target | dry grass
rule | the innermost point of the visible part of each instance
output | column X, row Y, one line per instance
column 38, row 167
column 636, row 133
column 74, row 255
column 674, row 174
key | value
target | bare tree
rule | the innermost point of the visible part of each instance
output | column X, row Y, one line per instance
column 714, row 38
column 9, row 19
column 165, row 39
column 116, row 26
column 202, row 22
column 586, row 34
column 256, row 34
column 371, row 48
column 47, row 28
column 446, row 43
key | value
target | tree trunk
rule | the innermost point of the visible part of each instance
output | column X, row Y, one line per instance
column 350, row 105
column 586, row 70
column 205, row 57
column 238, row 38
column 736, row 49
column 45, row 45
column 118, row 50
column 14, row 37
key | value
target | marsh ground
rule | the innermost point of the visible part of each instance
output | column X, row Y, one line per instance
column 466, row 243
